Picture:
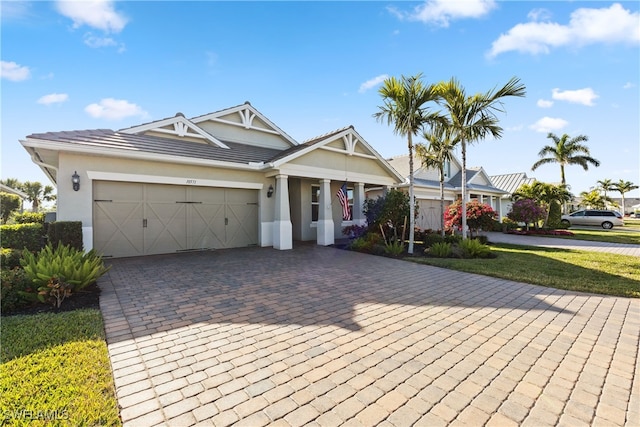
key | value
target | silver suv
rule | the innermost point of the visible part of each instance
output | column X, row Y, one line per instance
column 605, row 219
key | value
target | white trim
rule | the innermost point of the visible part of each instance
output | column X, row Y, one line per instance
column 180, row 131
column 156, row 179
column 337, row 150
column 242, row 125
column 334, row 175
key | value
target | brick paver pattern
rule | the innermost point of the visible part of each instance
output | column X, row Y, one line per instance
column 322, row 336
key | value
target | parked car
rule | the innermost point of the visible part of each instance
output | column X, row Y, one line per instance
column 603, row 218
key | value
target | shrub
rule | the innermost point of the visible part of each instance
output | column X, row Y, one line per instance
column 366, row 243
column 440, row 250
column 527, row 211
column 354, row 231
column 432, row 238
column 22, row 236
column 555, row 216
column 394, row 248
column 453, row 238
column 69, row 264
column 10, row 258
column 54, row 292
column 9, row 203
column 14, row 283
column 472, row 248
column 66, row 233
column 390, row 209
column 479, row 216
column 29, row 218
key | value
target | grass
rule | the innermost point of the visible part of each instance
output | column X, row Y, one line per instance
column 56, row 371
column 615, row 235
column 594, row 272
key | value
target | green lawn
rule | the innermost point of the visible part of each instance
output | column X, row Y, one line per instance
column 55, row 371
column 583, row 271
column 615, row 235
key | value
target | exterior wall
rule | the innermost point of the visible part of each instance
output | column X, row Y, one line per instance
column 78, row 205
column 347, row 166
column 226, row 132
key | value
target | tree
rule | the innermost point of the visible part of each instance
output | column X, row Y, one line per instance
column 473, row 117
column 404, row 106
column 527, row 211
column 12, row 183
column 9, row 203
column 592, row 199
column 623, row 187
column 436, row 154
column 478, row 215
column 543, row 193
column 566, row 151
column 36, row 194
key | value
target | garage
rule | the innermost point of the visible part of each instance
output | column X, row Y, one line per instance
column 429, row 214
column 132, row 219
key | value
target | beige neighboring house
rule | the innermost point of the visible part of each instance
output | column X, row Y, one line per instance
column 226, row 179
column 427, row 188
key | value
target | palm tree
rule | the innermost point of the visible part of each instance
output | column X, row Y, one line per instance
column 605, row 185
column 12, row 183
column 543, row 192
column 592, row 199
column 472, row 118
column 404, row 107
column 566, row 151
column 36, row 194
column 623, row 187
column 436, row 154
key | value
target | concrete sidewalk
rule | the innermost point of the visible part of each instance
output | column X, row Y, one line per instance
column 324, row 337
column 550, row 242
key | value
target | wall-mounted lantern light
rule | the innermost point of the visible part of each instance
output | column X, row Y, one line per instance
column 75, row 180
column 270, row 191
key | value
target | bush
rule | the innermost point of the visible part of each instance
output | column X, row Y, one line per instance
column 29, row 218
column 432, row 238
column 479, row 216
column 366, row 243
column 22, row 236
column 472, row 248
column 555, row 216
column 527, row 211
column 355, row 231
column 14, row 283
column 440, row 250
column 10, row 258
column 65, row 263
column 9, row 203
column 66, row 233
column 394, row 248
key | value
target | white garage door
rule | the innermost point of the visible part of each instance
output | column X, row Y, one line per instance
column 131, row 219
column 429, row 214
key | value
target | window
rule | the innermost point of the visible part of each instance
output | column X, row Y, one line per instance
column 315, row 201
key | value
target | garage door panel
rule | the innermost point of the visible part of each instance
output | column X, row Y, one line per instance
column 141, row 219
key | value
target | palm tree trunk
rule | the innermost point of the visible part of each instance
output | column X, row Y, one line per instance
column 441, row 201
column 464, row 189
column 412, row 208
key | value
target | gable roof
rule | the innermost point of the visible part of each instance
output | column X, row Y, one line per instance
column 178, row 126
column 510, row 182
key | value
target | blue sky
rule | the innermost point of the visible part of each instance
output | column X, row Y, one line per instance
column 312, row 67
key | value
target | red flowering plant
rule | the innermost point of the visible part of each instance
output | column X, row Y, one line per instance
column 527, row 211
column 480, row 216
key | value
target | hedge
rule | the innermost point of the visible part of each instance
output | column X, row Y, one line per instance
column 20, row 236
column 66, row 233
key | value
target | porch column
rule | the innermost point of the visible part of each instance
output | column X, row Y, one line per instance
column 358, row 202
column 325, row 225
column 282, row 228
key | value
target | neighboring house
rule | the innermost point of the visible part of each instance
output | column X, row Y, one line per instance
column 427, row 188
column 509, row 183
column 23, row 196
column 226, row 179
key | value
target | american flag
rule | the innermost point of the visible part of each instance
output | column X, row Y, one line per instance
column 344, row 202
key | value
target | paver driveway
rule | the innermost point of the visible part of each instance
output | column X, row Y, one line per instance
column 321, row 336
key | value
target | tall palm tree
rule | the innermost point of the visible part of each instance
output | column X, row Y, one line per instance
column 543, row 192
column 623, row 187
column 436, row 154
column 404, row 107
column 36, row 194
column 472, row 118
column 566, row 151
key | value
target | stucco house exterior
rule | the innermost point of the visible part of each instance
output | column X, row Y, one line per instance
column 230, row 178
column 427, row 188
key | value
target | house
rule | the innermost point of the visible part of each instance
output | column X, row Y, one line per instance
column 427, row 188
column 226, row 179
column 509, row 183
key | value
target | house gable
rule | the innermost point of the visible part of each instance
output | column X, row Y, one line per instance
column 245, row 125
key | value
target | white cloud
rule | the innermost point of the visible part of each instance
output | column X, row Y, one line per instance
column 581, row 96
column 53, row 98
column 543, row 103
column 442, row 12
column 99, row 14
column 14, row 72
column 95, row 42
column 548, row 124
column 114, row 109
column 586, row 26
column 372, row 83
column 539, row 15
column 13, row 10
column 628, row 85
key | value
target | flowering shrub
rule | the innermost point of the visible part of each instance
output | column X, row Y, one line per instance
column 527, row 211
column 479, row 216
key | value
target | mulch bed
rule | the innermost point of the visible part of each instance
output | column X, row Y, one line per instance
column 89, row 297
